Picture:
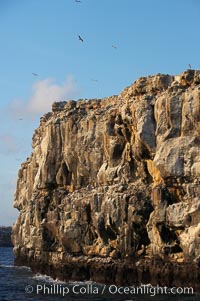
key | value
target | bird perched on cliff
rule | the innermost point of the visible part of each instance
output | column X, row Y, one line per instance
column 80, row 38
column 190, row 66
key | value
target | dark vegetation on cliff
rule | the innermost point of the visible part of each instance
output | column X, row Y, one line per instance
column 111, row 190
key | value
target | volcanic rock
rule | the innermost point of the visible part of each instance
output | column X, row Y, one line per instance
column 111, row 192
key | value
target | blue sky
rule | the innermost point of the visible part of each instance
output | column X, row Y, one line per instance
column 41, row 36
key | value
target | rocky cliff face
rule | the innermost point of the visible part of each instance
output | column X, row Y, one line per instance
column 111, row 191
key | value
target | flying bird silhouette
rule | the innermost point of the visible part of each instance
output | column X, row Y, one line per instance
column 113, row 46
column 35, row 74
column 94, row 80
column 80, row 38
column 78, row 1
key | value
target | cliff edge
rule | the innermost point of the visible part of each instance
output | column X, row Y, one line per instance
column 111, row 192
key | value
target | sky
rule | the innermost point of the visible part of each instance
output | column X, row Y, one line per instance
column 42, row 60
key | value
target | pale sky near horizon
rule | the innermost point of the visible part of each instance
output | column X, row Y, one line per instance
column 41, row 37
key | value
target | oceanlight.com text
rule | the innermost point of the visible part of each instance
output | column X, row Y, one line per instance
column 92, row 289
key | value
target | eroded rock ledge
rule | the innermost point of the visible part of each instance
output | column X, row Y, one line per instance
column 111, row 190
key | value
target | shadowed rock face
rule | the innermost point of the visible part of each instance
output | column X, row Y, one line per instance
column 111, row 190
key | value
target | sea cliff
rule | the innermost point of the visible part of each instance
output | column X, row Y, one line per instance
column 111, row 192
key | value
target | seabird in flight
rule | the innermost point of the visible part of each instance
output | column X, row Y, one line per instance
column 78, row 1
column 113, row 46
column 80, row 38
column 35, row 74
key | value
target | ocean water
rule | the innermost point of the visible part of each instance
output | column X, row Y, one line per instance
column 19, row 284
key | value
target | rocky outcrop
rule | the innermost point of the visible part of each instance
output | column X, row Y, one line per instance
column 5, row 237
column 111, row 190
